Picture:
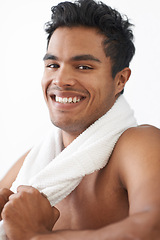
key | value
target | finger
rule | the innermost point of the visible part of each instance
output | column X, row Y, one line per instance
column 25, row 188
column 28, row 191
column 2, row 203
column 5, row 192
column 4, row 197
column 13, row 196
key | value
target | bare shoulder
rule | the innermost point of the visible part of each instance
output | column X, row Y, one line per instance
column 141, row 131
column 11, row 175
column 140, row 137
column 137, row 154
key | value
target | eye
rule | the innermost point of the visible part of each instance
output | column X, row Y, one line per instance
column 52, row 65
column 84, row 67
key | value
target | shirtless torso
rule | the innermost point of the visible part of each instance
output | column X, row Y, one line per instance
column 118, row 196
column 99, row 200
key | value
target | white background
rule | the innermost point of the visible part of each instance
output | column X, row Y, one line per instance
column 23, row 114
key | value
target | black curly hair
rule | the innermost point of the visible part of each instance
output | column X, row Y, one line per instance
column 118, row 44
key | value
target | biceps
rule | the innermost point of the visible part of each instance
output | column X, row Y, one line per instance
column 143, row 186
column 140, row 174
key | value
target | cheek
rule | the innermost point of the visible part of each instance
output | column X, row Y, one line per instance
column 97, row 88
column 106, row 92
column 44, row 85
column 45, row 82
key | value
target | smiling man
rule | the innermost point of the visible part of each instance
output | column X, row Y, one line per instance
column 96, row 174
column 74, row 82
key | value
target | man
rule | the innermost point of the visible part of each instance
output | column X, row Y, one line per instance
column 86, row 68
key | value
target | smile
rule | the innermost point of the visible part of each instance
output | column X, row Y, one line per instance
column 67, row 99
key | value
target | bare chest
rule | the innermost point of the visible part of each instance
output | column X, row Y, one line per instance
column 96, row 202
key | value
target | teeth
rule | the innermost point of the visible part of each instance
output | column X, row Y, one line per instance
column 67, row 100
column 74, row 99
column 70, row 100
column 64, row 100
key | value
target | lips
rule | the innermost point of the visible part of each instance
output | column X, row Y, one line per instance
column 66, row 97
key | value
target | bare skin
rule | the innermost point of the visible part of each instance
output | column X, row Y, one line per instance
column 9, row 178
column 102, row 197
column 119, row 202
column 99, row 208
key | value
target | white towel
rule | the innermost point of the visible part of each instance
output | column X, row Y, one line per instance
column 57, row 173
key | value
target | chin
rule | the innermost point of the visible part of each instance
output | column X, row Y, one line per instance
column 70, row 127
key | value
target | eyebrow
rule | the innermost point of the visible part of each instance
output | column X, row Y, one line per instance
column 48, row 56
column 85, row 57
column 82, row 57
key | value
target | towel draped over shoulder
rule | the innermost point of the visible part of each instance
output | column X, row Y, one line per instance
column 57, row 172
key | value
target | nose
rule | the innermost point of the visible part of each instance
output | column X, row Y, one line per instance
column 64, row 77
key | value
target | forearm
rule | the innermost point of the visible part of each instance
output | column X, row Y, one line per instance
column 106, row 233
column 68, row 235
column 141, row 226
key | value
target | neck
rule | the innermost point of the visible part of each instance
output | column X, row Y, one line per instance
column 68, row 138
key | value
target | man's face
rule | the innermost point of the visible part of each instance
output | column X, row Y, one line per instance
column 77, row 84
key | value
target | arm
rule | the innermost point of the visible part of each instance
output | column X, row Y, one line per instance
column 11, row 175
column 7, row 181
column 137, row 157
column 138, row 167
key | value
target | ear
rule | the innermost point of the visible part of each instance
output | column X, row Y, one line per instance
column 121, row 78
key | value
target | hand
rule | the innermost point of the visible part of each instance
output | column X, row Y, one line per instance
column 4, row 197
column 27, row 214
